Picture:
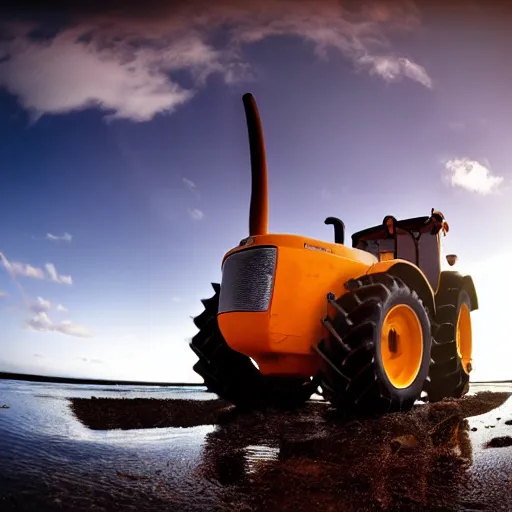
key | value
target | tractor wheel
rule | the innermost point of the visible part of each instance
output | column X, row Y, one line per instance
column 452, row 348
column 233, row 376
column 375, row 357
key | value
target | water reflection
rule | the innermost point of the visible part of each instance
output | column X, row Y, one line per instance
column 417, row 461
column 157, row 450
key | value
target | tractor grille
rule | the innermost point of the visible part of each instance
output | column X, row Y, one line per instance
column 247, row 280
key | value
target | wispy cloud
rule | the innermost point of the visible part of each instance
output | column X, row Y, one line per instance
column 87, row 360
column 40, row 305
column 191, row 186
column 3, row 294
column 16, row 268
column 55, row 277
column 392, row 68
column 66, row 237
column 472, row 175
column 124, row 61
column 195, row 214
column 42, row 323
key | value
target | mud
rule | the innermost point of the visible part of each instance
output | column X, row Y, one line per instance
column 412, row 461
column 135, row 413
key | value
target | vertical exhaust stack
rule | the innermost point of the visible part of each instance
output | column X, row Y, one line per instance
column 258, row 212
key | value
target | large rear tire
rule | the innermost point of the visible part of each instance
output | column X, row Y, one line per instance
column 376, row 353
column 452, row 349
column 233, row 376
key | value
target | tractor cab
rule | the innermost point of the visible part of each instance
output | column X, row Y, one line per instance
column 416, row 240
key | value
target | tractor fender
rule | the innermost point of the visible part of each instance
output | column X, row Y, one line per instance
column 453, row 279
column 412, row 276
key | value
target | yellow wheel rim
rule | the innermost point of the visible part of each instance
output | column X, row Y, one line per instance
column 401, row 345
column 464, row 337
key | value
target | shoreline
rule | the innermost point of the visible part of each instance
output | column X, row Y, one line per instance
column 104, row 382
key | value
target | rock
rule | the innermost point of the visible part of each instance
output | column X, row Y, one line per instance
column 403, row 442
column 499, row 442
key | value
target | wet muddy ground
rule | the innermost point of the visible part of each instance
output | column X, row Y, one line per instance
column 194, row 452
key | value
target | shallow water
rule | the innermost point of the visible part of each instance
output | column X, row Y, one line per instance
column 48, row 456
column 490, row 474
column 49, row 460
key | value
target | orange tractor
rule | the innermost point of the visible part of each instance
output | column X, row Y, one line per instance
column 373, row 327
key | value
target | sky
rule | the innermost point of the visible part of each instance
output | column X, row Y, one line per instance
column 125, row 173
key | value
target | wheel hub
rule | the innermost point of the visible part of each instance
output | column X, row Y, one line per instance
column 393, row 341
column 401, row 345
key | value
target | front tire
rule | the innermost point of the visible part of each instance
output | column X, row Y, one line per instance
column 376, row 355
column 232, row 376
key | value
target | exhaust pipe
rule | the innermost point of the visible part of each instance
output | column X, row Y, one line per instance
column 258, row 212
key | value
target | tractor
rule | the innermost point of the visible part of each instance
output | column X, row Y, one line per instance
column 373, row 328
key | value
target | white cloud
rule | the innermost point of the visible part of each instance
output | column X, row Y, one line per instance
column 71, row 329
column 472, row 175
column 195, row 214
column 40, row 305
column 15, row 268
column 3, row 294
column 61, row 308
column 192, row 187
column 189, row 183
column 394, row 68
column 42, row 322
column 55, row 277
column 73, row 75
column 125, row 62
column 66, row 237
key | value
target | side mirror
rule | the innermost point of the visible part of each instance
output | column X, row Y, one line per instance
column 451, row 259
column 339, row 229
column 389, row 223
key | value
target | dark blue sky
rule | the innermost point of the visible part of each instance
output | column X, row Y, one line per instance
column 133, row 141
